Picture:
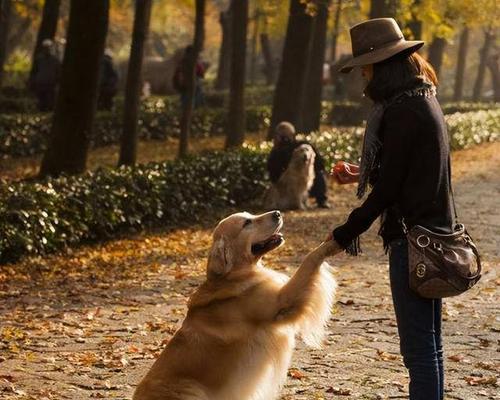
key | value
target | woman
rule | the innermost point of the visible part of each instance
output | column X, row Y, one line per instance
column 405, row 159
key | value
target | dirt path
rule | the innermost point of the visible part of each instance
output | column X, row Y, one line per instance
column 88, row 324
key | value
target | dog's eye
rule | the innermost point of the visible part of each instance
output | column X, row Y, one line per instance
column 247, row 222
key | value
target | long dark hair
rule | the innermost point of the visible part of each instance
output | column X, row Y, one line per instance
column 400, row 72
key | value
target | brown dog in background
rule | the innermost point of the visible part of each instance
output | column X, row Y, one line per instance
column 238, row 337
column 292, row 189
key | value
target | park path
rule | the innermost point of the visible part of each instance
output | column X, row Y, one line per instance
column 88, row 324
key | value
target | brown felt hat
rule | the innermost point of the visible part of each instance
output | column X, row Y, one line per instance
column 377, row 40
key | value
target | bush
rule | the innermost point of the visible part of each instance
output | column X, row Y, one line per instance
column 37, row 218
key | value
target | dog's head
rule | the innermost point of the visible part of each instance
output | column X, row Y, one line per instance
column 241, row 239
column 303, row 155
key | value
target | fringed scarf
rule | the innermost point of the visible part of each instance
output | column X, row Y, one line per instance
column 372, row 145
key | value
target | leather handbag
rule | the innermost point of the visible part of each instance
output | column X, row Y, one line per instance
column 442, row 265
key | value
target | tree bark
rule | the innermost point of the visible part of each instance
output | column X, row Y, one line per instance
column 235, row 134
column 436, row 53
column 377, row 9
column 289, row 92
column 489, row 38
column 335, row 32
column 269, row 64
column 415, row 24
column 187, row 112
column 311, row 116
column 461, row 64
column 76, row 101
column 48, row 27
column 223, row 69
column 128, row 148
column 5, row 16
column 493, row 65
column 253, row 51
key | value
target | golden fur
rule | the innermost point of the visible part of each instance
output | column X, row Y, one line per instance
column 237, row 339
column 292, row 189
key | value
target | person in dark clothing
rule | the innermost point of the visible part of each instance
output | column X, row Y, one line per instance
column 181, row 76
column 45, row 76
column 108, row 83
column 405, row 160
column 284, row 145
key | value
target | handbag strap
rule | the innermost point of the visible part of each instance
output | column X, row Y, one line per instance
column 450, row 187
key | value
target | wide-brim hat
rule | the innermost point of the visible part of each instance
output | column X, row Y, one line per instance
column 377, row 40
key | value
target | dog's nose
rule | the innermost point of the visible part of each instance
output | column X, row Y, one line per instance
column 276, row 215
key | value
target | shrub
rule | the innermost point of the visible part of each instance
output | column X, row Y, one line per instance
column 37, row 218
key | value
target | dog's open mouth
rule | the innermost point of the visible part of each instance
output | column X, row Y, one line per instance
column 267, row 245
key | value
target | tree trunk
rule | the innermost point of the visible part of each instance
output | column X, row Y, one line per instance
column 493, row 65
column 269, row 64
column 436, row 53
column 187, row 112
column 48, row 27
column 311, row 117
column 489, row 38
column 253, row 51
column 5, row 16
column 289, row 92
column 235, row 134
column 222, row 80
column 415, row 24
column 461, row 63
column 335, row 32
column 128, row 148
column 76, row 101
column 377, row 9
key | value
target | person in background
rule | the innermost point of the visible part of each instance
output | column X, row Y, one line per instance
column 180, row 80
column 45, row 76
column 284, row 143
column 108, row 84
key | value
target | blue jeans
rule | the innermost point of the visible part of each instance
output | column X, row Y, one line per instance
column 419, row 327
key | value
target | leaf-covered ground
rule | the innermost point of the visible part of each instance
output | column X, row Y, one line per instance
column 88, row 324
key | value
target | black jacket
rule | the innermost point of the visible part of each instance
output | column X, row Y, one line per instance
column 281, row 155
column 413, row 178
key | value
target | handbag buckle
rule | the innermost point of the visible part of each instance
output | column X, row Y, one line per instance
column 420, row 270
column 438, row 246
column 423, row 241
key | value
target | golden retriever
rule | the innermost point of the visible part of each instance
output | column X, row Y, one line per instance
column 292, row 189
column 237, row 339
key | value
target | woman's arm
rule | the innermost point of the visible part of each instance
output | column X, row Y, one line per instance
column 398, row 131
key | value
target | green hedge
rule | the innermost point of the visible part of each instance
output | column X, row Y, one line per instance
column 37, row 218
column 42, row 217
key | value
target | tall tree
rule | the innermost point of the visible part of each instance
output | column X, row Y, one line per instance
column 289, row 92
column 461, row 63
column 76, row 101
column 128, row 149
column 335, row 31
column 415, row 23
column 378, row 8
column 489, row 39
column 48, row 26
column 223, row 68
column 436, row 53
column 235, row 134
column 5, row 15
column 494, row 66
column 267, row 53
column 311, row 110
column 253, row 50
column 187, row 111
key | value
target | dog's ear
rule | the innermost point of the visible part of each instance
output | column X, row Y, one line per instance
column 220, row 259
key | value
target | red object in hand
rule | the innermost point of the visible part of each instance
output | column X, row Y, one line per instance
column 345, row 173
